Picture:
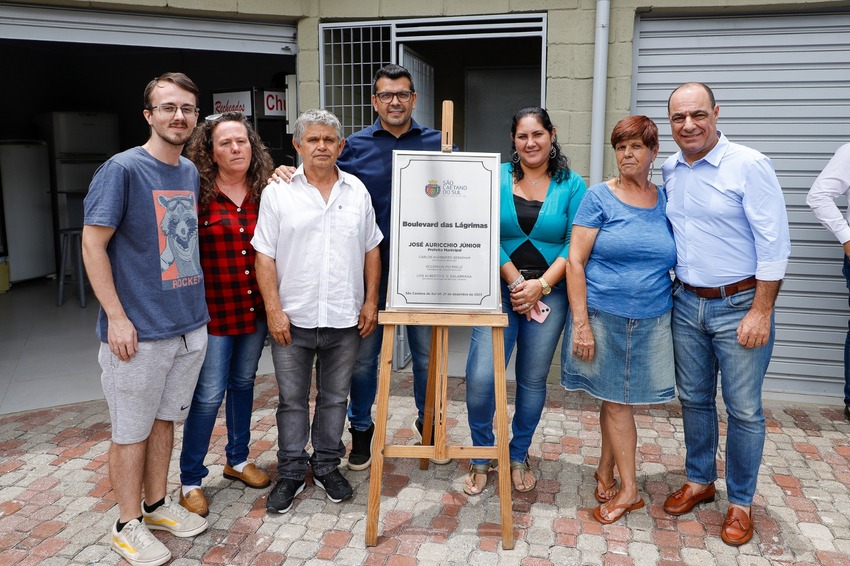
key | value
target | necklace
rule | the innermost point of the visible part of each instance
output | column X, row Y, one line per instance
column 535, row 182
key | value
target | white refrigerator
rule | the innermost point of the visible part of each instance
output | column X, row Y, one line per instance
column 27, row 215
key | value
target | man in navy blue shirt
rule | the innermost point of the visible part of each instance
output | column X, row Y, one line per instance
column 368, row 155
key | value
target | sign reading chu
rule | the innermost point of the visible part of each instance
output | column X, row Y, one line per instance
column 274, row 103
column 444, row 252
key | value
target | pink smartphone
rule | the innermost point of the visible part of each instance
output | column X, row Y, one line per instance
column 540, row 315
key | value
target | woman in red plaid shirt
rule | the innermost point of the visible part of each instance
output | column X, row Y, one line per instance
column 234, row 166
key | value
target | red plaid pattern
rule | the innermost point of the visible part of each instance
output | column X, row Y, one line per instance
column 227, row 257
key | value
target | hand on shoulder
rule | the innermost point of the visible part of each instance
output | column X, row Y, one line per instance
column 283, row 173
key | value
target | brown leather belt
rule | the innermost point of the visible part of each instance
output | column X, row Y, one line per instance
column 725, row 291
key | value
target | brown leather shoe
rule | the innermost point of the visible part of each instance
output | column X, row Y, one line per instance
column 195, row 502
column 251, row 475
column 737, row 528
column 684, row 499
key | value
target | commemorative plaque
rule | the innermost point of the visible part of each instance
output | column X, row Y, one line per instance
column 444, row 253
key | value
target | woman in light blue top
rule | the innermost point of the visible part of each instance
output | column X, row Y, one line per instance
column 618, row 345
column 539, row 197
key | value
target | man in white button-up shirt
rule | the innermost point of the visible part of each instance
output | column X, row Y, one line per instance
column 834, row 182
column 318, row 268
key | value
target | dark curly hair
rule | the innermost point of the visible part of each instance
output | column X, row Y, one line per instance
column 199, row 150
column 559, row 165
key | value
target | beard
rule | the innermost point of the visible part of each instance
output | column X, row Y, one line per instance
column 171, row 137
column 397, row 119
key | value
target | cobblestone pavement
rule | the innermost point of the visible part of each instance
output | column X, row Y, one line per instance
column 56, row 504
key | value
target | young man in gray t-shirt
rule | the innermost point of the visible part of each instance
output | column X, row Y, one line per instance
column 140, row 248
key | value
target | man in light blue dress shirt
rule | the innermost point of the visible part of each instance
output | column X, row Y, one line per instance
column 732, row 243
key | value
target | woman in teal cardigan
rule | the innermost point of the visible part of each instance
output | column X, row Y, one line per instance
column 539, row 198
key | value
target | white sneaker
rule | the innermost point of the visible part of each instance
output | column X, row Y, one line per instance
column 138, row 546
column 172, row 517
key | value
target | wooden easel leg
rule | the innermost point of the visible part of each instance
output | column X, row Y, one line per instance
column 505, row 503
column 379, row 438
column 441, row 334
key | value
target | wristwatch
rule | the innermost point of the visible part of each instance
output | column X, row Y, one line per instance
column 545, row 286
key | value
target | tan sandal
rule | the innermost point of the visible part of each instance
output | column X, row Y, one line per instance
column 525, row 467
column 470, row 484
column 603, row 497
column 607, row 519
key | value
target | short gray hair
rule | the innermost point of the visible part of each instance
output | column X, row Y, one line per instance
column 315, row 116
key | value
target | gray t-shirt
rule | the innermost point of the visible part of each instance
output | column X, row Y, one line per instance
column 156, row 266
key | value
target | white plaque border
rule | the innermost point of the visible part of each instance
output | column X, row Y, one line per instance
column 490, row 163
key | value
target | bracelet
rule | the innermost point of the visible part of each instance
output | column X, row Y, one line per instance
column 516, row 282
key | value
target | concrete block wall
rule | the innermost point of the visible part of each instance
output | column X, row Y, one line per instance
column 571, row 34
column 570, row 51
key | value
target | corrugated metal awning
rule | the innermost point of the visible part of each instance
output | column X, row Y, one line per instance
column 148, row 30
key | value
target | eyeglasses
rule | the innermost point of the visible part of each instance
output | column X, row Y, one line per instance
column 171, row 110
column 387, row 97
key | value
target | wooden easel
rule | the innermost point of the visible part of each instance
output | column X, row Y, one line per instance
column 436, row 400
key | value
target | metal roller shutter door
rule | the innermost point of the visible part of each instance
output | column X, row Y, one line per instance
column 783, row 86
column 150, row 30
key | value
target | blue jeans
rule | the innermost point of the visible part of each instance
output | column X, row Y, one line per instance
column 334, row 351
column 705, row 341
column 846, row 271
column 364, row 380
column 230, row 366
column 535, row 344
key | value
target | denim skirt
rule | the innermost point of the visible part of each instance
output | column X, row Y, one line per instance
column 632, row 364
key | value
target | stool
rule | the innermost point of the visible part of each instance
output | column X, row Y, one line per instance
column 72, row 244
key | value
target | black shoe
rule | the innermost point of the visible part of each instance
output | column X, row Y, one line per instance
column 361, row 448
column 847, row 413
column 417, row 430
column 283, row 494
column 335, row 485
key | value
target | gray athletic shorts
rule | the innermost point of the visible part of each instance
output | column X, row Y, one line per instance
column 157, row 383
